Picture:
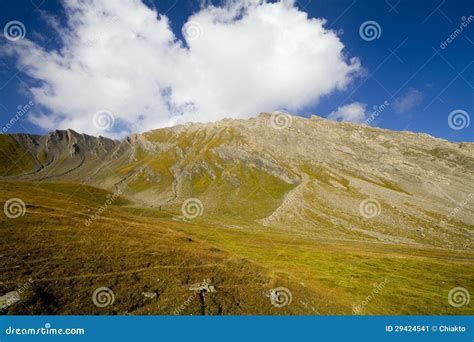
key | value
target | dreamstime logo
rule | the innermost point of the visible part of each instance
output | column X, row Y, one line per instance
column 192, row 208
column 199, row 290
column 280, row 297
column 14, row 296
column 464, row 24
column 103, row 208
column 102, row 297
column 103, row 120
column 14, row 30
column 292, row 198
column 370, row 30
column 377, row 110
column 458, row 297
column 458, row 119
column 186, row 303
column 192, row 30
column 370, row 208
column 378, row 287
column 21, row 110
column 457, row 209
column 14, row 208
column 281, row 119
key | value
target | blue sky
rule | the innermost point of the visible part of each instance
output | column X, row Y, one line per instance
column 410, row 66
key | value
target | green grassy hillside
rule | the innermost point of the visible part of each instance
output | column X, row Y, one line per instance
column 150, row 259
column 129, row 250
column 15, row 160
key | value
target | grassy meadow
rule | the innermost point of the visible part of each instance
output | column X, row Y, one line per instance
column 150, row 259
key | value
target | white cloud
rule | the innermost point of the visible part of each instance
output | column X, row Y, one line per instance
column 408, row 101
column 121, row 56
column 354, row 112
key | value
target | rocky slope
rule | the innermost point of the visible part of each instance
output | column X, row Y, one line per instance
column 314, row 177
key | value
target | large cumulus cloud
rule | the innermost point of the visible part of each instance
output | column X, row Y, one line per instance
column 237, row 60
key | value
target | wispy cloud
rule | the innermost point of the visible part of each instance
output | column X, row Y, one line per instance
column 407, row 102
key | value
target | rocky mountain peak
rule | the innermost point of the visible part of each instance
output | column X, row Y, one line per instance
column 281, row 171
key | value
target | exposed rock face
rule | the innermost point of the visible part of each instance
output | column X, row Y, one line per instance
column 313, row 176
column 61, row 152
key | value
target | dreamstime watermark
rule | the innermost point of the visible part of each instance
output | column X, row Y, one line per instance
column 21, row 111
column 14, row 30
column 46, row 330
column 464, row 24
column 103, row 208
column 370, row 208
column 280, row 297
column 185, row 304
column 192, row 30
column 13, row 297
column 102, row 297
column 377, row 110
column 281, row 119
column 192, row 208
column 14, row 208
column 458, row 297
column 370, row 30
column 292, row 199
column 458, row 119
column 103, row 120
column 377, row 288
column 199, row 291
column 457, row 209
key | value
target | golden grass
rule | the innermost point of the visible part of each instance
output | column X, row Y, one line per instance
column 133, row 250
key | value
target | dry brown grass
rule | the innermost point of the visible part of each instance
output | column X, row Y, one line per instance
column 133, row 250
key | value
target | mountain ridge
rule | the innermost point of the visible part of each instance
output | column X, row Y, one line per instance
column 307, row 175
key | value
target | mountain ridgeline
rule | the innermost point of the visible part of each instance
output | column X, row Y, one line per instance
column 313, row 177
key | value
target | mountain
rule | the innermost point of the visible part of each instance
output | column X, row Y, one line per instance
column 330, row 195
column 311, row 177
